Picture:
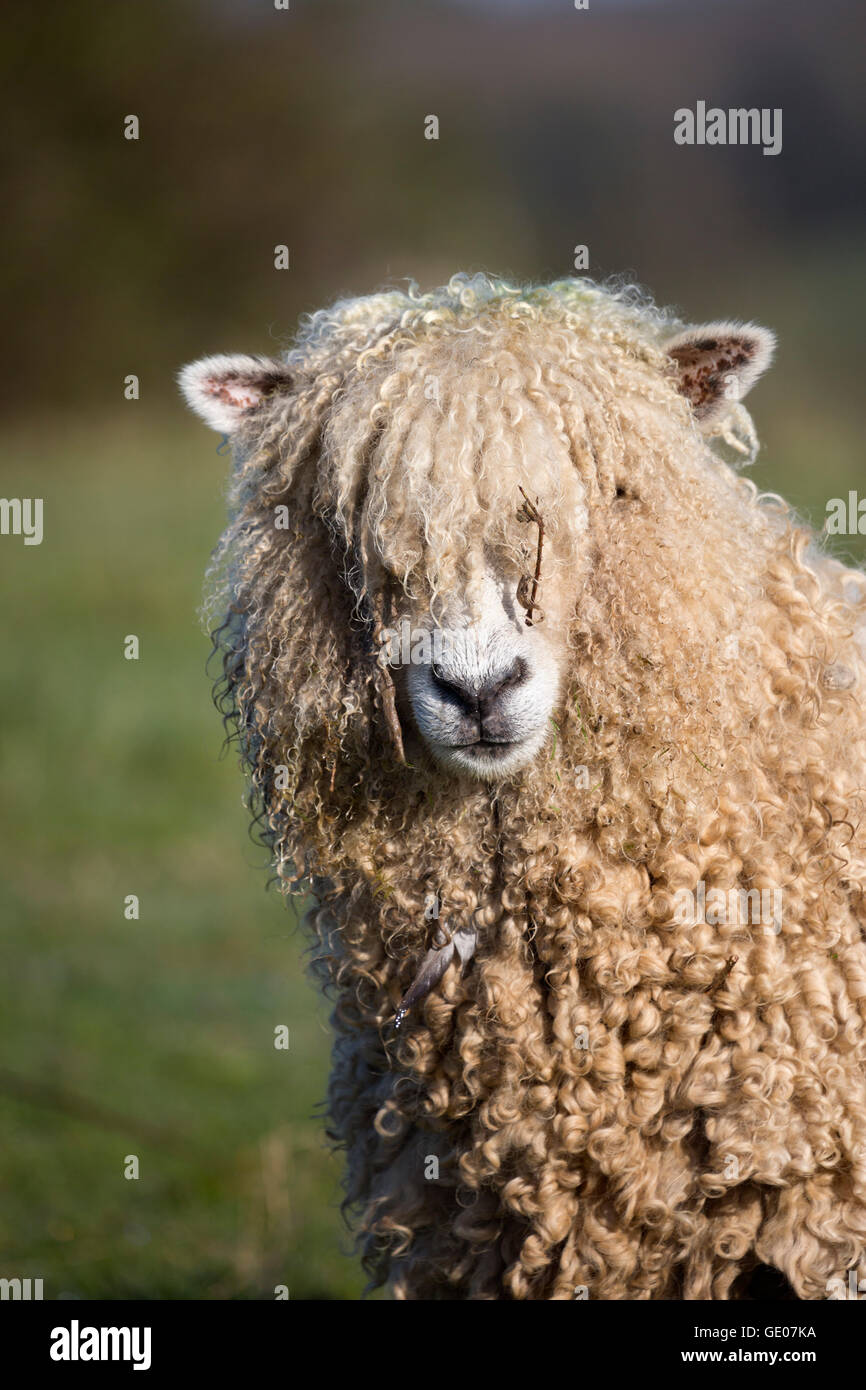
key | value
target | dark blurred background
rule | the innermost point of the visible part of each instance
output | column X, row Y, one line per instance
column 303, row 127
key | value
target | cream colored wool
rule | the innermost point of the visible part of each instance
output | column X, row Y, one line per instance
column 610, row 1111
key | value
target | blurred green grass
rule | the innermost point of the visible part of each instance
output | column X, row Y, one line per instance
column 114, row 784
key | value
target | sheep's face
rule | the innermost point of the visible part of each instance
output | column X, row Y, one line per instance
column 481, row 569
column 482, row 684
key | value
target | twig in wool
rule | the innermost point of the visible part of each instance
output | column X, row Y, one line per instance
column 433, row 967
column 721, row 975
column 389, row 710
column 387, row 692
column 527, row 589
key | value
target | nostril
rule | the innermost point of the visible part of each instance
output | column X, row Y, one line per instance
column 464, row 697
column 515, row 676
column 493, row 716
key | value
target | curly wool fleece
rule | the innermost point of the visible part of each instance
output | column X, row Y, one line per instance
column 598, row 1102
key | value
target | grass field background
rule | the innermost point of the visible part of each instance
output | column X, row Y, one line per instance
column 151, row 1037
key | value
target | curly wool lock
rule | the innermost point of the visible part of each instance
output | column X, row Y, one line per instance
column 613, row 1107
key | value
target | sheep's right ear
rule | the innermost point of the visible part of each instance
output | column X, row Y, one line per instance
column 223, row 390
column 717, row 363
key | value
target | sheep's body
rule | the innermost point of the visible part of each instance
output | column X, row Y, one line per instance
column 599, row 1102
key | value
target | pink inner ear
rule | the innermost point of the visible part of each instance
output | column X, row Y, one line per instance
column 233, row 395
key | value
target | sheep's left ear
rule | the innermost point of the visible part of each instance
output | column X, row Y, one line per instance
column 718, row 363
column 224, row 389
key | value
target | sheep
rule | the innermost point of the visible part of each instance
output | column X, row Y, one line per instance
column 550, row 1080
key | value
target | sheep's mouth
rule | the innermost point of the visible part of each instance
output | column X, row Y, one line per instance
column 489, row 747
column 489, row 759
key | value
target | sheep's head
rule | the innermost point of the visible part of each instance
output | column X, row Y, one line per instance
column 464, row 474
column 483, row 680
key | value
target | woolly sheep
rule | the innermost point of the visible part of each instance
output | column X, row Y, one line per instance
column 521, row 667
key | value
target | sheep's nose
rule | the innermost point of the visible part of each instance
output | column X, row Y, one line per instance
column 479, row 700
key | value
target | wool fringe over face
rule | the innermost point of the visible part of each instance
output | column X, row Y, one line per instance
column 611, row 1106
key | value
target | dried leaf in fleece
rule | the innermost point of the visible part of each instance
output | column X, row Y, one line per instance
column 433, row 967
